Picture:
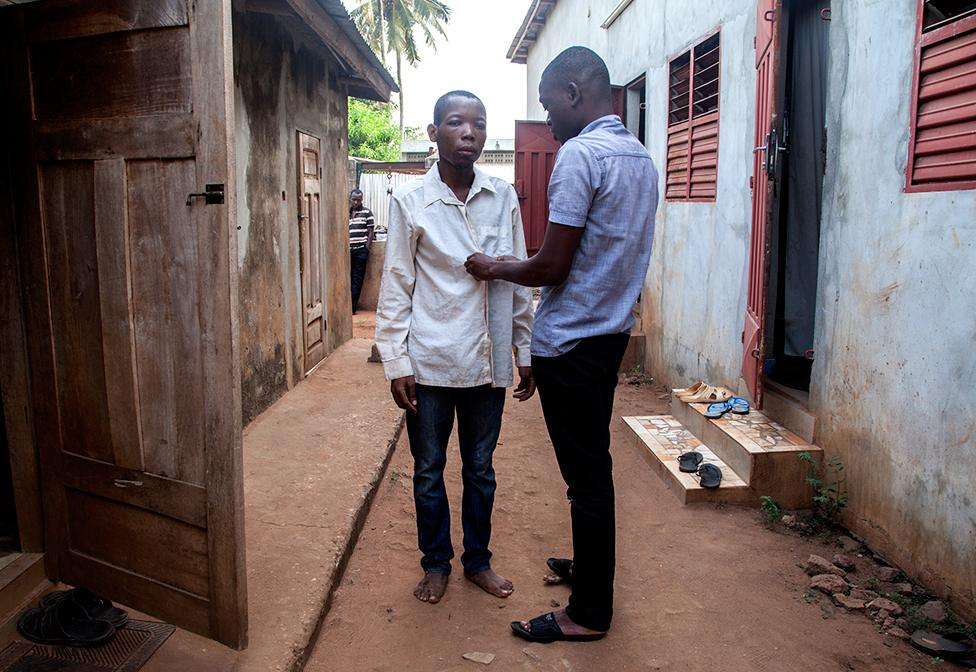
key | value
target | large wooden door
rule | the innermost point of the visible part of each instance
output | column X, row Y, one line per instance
column 312, row 237
column 535, row 156
column 131, row 301
column 765, row 153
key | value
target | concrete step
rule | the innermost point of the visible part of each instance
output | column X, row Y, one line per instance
column 789, row 408
column 763, row 452
column 661, row 438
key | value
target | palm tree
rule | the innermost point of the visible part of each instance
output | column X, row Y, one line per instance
column 389, row 25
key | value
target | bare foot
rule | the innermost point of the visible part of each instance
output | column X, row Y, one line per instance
column 431, row 588
column 491, row 583
column 566, row 625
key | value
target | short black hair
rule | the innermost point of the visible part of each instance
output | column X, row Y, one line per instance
column 355, row 191
column 446, row 98
column 581, row 65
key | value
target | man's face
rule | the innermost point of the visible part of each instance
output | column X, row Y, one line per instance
column 462, row 132
column 560, row 109
column 356, row 201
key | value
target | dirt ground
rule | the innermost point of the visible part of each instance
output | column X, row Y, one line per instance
column 700, row 587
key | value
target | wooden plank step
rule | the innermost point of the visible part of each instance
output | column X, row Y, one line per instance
column 661, row 438
column 763, row 452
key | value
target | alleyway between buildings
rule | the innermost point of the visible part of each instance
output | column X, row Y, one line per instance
column 698, row 587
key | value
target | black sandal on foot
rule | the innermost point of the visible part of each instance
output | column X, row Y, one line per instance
column 64, row 623
column 711, row 476
column 562, row 568
column 544, row 630
column 943, row 647
column 688, row 462
column 97, row 608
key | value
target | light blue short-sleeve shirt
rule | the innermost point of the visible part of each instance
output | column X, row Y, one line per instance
column 605, row 182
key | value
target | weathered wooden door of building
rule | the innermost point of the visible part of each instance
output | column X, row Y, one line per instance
column 765, row 154
column 129, row 265
column 311, row 237
column 535, row 156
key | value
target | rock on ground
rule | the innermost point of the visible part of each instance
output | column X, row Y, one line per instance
column 864, row 594
column 817, row 565
column 845, row 562
column 829, row 584
column 935, row 611
column 884, row 604
column 479, row 657
column 898, row 632
column 888, row 574
column 847, row 602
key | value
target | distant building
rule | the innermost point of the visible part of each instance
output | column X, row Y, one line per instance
column 498, row 158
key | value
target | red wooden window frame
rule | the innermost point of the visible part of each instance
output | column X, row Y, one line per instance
column 962, row 138
column 692, row 145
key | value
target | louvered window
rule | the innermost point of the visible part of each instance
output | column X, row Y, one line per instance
column 693, row 92
column 943, row 134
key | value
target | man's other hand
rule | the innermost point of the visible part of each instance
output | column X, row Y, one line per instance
column 404, row 391
column 479, row 265
column 526, row 386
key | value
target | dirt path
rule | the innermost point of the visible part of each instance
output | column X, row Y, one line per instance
column 698, row 587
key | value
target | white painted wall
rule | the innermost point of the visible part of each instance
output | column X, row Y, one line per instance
column 896, row 320
column 696, row 285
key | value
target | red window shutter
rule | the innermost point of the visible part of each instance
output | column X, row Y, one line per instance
column 944, row 116
column 693, row 91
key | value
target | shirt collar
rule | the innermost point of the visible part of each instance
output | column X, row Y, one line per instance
column 602, row 122
column 436, row 190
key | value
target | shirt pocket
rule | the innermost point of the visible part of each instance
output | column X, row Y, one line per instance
column 495, row 239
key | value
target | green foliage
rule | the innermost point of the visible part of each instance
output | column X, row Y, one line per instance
column 372, row 133
column 389, row 25
column 829, row 497
column 771, row 510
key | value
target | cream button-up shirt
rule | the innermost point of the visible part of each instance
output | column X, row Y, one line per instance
column 434, row 321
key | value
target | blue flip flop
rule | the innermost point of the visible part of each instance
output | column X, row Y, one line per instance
column 739, row 405
column 718, row 409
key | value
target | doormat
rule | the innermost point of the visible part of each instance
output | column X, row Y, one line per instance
column 128, row 652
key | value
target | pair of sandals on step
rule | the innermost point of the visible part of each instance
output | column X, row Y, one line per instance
column 720, row 400
column 545, row 629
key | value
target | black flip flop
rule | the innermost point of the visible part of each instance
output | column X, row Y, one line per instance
column 64, row 623
column 688, row 462
column 544, row 630
column 711, row 476
column 561, row 567
column 943, row 647
column 96, row 607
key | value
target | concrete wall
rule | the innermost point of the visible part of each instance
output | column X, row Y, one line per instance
column 693, row 302
column 284, row 84
column 896, row 313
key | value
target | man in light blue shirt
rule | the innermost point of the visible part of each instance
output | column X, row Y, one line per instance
column 602, row 198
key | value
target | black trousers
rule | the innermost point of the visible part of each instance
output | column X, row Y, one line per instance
column 577, row 390
column 358, row 256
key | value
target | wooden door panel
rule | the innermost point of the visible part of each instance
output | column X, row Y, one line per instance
column 311, row 242
column 135, row 366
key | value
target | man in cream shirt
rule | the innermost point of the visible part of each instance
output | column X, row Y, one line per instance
column 447, row 340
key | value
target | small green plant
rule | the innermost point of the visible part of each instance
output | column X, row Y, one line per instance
column 395, row 475
column 771, row 510
column 829, row 497
column 809, row 597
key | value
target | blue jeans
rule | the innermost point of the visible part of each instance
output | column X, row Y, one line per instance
column 479, row 419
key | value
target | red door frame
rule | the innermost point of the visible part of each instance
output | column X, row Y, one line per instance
column 768, row 16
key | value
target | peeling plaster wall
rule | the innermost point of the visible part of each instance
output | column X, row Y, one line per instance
column 282, row 87
column 896, row 314
column 696, row 284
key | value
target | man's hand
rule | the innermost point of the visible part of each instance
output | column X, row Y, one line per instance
column 526, row 386
column 479, row 265
column 404, row 391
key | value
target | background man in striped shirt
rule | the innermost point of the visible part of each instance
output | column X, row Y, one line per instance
column 361, row 226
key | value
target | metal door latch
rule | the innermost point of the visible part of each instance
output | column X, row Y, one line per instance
column 213, row 194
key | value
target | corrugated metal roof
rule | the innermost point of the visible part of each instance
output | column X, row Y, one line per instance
column 337, row 11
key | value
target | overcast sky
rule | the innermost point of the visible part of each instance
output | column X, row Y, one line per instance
column 472, row 58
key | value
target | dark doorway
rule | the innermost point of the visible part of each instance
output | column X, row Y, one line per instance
column 9, row 536
column 795, row 239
